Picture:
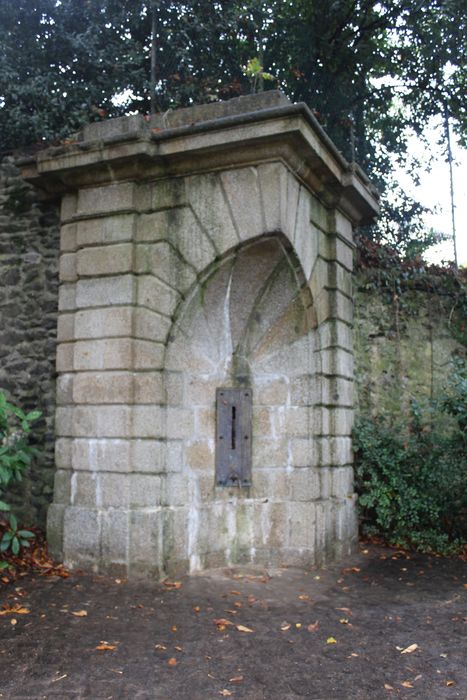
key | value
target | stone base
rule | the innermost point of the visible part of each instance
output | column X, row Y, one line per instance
column 166, row 541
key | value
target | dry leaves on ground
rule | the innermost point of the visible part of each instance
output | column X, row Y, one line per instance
column 15, row 609
column 172, row 584
column 105, row 646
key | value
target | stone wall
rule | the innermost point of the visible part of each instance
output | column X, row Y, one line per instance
column 29, row 247
column 403, row 343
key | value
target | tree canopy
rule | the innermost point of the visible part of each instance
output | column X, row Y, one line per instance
column 372, row 72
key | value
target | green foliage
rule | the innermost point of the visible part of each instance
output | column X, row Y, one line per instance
column 413, row 490
column 255, row 71
column 15, row 452
column 13, row 537
column 371, row 72
column 455, row 400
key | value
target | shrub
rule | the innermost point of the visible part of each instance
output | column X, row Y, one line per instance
column 15, row 457
column 413, row 490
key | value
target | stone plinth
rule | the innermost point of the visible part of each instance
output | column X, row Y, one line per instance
column 211, row 247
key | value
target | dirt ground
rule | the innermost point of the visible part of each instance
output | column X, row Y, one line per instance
column 381, row 625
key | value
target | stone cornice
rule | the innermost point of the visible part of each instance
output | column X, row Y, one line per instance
column 209, row 138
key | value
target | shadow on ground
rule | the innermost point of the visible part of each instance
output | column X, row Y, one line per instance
column 328, row 634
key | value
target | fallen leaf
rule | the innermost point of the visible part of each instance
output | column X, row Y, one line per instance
column 174, row 628
column 80, row 613
column 407, row 684
column 225, row 693
column 16, row 609
column 162, row 647
column 235, row 593
column 103, row 646
column 236, row 679
column 237, row 604
column 13, row 621
column 354, row 654
column 344, row 621
column 410, row 649
column 313, row 626
column 304, row 597
column 351, row 570
column 449, row 683
column 285, row 626
column 331, row 640
column 388, row 687
column 60, row 678
column 444, row 656
column 221, row 623
column 196, row 609
column 347, row 611
column 242, row 628
column 172, row 584
column 172, row 661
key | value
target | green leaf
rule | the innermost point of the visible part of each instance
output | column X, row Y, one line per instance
column 4, row 506
column 25, row 533
column 13, row 521
column 253, row 67
column 33, row 415
column 15, row 547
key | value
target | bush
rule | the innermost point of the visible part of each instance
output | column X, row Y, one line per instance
column 15, row 457
column 413, row 490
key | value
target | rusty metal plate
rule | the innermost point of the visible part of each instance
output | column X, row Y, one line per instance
column 233, row 437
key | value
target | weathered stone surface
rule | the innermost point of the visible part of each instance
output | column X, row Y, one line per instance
column 68, row 238
column 107, row 198
column 104, row 260
column 29, row 250
column 67, row 267
column 217, row 217
column 108, row 229
column 105, row 291
column 103, row 323
column 81, row 536
column 216, row 268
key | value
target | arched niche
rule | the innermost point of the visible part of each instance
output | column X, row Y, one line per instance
column 249, row 323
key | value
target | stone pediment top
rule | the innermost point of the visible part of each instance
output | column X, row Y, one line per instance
column 242, row 131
